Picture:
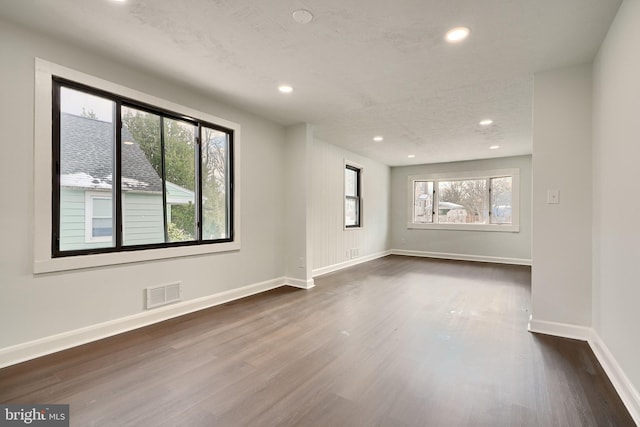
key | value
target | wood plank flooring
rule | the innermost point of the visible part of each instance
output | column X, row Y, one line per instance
column 397, row 341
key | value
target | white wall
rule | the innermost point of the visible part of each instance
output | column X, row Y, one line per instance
column 561, row 273
column 299, row 141
column 330, row 240
column 616, row 178
column 465, row 244
column 33, row 307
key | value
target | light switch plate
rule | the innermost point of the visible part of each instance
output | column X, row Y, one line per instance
column 553, row 197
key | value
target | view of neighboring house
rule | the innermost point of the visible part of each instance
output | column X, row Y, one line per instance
column 86, row 209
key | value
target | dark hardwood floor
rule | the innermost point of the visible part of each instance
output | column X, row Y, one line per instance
column 394, row 342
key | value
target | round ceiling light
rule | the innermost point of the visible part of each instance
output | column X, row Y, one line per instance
column 494, row 147
column 302, row 16
column 285, row 88
column 377, row 138
column 457, row 34
column 411, row 156
column 485, row 122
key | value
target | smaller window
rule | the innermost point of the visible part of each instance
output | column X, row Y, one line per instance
column 98, row 219
column 501, row 200
column 423, row 202
column 352, row 197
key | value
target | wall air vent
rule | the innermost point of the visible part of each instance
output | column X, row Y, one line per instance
column 163, row 294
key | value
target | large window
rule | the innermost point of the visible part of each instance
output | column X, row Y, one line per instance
column 131, row 176
column 486, row 201
column 352, row 198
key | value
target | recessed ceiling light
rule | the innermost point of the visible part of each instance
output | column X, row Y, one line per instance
column 457, row 34
column 377, row 138
column 486, row 122
column 411, row 156
column 128, row 142
column 120, row 1
column 285, row 88
column 494, row 147
column 302, row 16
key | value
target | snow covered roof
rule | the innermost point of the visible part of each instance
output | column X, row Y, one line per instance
column 86, row 157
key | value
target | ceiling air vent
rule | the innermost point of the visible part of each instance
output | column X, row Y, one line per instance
column 163, row 294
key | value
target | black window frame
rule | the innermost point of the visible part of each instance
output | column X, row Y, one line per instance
column 357, row 197
column 120, row 101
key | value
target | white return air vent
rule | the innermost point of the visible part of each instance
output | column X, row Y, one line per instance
column 163, row 294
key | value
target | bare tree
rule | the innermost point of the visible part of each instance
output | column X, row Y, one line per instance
column 468, row 193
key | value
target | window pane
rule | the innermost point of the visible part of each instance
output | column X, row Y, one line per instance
column 180, row 162
column 501, row 196
column 215, row 179
column 423, row 202
column 102, row 207
column 87, row 145
column 462, row 202
column 143, row 216
column 350, row 182
column 102, row 227
column 351, row 212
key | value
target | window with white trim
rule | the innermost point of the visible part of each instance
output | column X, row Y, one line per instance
column 171, row 172
column 482, row 200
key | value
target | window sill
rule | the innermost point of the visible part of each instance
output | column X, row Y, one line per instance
column 466, row 227
column 118, row 258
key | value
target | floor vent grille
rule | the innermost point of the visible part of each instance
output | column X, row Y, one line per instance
column 163, row 294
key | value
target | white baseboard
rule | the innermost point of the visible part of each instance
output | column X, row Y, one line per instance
column 299, row 283
column 462, row 257
column 51, row 344
column 625, row 388
column 564, row 330
column 349, row 263
column 628, row 393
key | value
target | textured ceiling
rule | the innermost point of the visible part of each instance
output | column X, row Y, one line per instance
column 361, row 68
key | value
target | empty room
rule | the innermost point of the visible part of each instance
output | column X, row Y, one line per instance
column 300, row 213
